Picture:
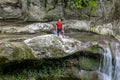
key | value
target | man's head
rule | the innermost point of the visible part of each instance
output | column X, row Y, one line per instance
column 59, row 19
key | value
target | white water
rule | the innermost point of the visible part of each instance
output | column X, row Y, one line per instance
column 108, row 73
column 116, row 74
column 107, row 65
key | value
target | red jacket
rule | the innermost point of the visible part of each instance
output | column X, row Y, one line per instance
column 59, row 25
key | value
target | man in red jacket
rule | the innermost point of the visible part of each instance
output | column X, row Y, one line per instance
column 59, row 27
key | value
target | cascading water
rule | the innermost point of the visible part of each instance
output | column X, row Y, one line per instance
column 116, row 74
column 107, row 65
column 109, row 73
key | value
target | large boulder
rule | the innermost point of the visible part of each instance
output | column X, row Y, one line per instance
column 53, row 46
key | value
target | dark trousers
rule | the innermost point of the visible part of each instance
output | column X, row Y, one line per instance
column 59, row 31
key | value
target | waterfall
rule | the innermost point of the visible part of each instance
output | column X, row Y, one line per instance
column 109, row 73
column 107, row 65
column 116, row 74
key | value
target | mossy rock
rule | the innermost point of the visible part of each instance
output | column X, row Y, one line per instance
column 95, row 49
column 12, row 52
column 22, row 53
column 88, row 64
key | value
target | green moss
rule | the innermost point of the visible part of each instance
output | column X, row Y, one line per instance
column 1, row 50
column 28, row 52
column 88, row 64
column 16, row 52
column 95, row 49
column 22, row 53
column 47, row 9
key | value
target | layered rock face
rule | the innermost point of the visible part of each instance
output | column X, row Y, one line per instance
column 10, row 9
column 70, row 26
column 48, row 10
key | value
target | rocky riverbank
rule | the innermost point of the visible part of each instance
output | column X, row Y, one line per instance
column 43, row 54
column 30, row 51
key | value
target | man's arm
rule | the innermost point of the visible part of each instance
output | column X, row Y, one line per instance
column 63, row 26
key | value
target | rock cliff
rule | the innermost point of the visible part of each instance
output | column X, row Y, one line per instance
column 49, row 10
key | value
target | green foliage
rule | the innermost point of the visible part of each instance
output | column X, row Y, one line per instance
column 86, row 3
column 47, row 9
column 32, row 74
column 38, row 69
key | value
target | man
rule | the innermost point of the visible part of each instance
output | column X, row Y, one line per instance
column 59, row 27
